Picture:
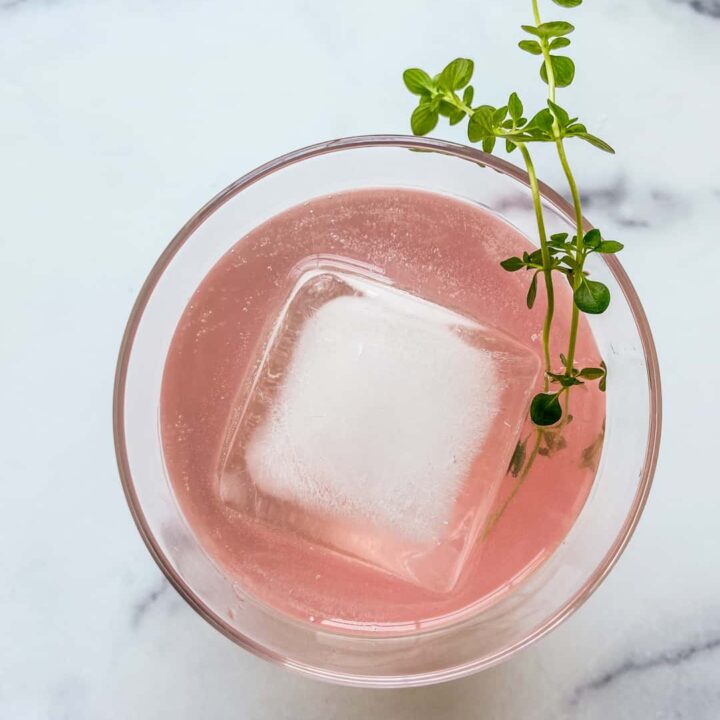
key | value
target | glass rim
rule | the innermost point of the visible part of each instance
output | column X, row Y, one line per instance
column 411, row 143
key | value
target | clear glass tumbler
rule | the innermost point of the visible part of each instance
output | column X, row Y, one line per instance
column 553, row 591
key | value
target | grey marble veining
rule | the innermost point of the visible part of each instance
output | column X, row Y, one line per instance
column 666, row 658
column 118, row 119
column 148, row 600
column 631, row 207
column 711, row 8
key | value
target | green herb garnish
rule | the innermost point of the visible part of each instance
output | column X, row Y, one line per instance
column 450, row 95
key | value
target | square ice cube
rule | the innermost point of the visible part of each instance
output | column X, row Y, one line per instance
column 378, row 425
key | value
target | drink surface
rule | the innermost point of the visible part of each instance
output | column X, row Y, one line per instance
column 342, row 400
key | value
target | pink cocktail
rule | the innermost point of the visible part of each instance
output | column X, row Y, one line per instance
column 344, row 413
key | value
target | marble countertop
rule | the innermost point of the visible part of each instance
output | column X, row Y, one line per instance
column 118, row 118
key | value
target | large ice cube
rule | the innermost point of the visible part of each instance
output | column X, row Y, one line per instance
column 378, row 425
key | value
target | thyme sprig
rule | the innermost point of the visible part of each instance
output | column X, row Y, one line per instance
column 449, row 94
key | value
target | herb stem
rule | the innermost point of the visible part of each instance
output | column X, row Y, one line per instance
column 579, row 251
column 518, row 483
column 548, row 63
column 450, row 97
column 546, row 258
column 577, row 204
column 547, row 263
column 536, row 12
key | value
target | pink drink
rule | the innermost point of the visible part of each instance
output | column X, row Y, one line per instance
column 341, row 402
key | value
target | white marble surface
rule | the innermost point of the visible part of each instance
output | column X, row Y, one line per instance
column 117, row 120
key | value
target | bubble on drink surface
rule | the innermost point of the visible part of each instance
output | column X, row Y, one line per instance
column 378, row 425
